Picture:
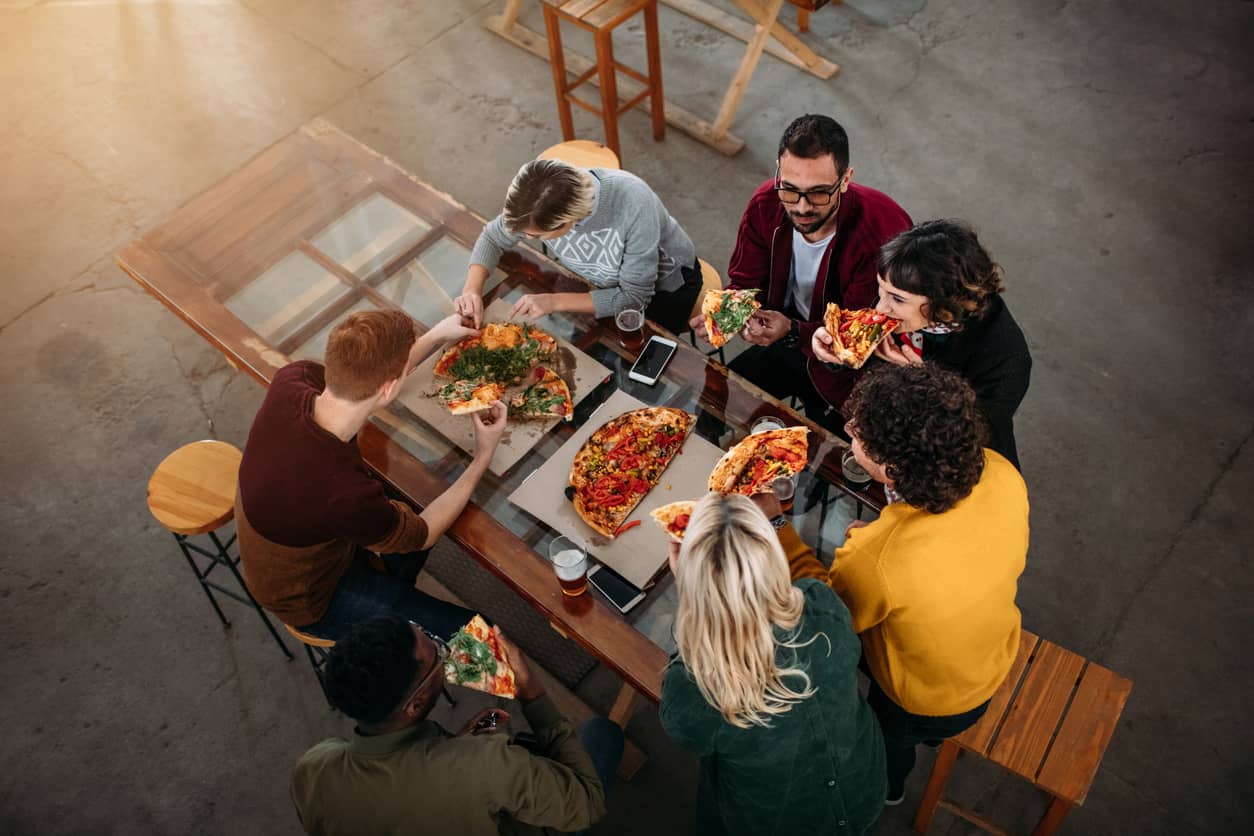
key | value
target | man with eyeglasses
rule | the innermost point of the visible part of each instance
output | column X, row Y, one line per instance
column 809, row 236
column 404, row 775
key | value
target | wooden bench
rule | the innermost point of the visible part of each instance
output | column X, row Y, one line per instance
column 1050, row 723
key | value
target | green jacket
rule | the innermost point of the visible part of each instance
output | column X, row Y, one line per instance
column 422, row 781
column 817, row 769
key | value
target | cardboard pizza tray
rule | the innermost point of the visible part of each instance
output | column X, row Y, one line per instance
column 580, row 371
column 640, row 553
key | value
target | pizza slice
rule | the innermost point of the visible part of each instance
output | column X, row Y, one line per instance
column 547, row 397
column 477, row 660
column 673, row 517
column 726, row 312
column 751, row 466
column 855, row 334
column 503, row 352
column 621, row 462
column 465, row 396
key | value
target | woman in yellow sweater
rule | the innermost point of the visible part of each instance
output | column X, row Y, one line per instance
column 931, row 584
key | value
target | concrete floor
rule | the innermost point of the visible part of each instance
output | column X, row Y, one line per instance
column 1101, row 148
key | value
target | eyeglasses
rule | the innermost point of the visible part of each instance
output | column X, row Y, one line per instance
column 816, row 197
column 441, row 655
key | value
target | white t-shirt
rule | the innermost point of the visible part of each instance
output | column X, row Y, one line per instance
column 804, row 271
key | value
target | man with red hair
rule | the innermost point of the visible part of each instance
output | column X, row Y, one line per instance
column 308, row 511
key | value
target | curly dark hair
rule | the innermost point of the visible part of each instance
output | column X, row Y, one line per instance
column 922, row 424
column 814, row 135
column 944, row 261
column 369, row 672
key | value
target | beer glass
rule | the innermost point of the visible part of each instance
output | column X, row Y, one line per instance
column 570, row 564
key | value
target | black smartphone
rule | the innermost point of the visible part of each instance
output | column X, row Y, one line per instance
column 649, row 365
column 620, row 592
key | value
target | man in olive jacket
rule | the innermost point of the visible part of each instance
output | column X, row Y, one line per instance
column 403, row 774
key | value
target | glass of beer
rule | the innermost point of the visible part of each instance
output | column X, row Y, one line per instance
column 630, row 324
column 784, row 488
column 570, row 563
column 853, row 472
column 766, row 424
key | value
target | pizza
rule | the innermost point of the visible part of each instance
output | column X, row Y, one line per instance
column 855, row 334
column 547, row 397
column 673, row 517
column 503, row 352
column 726, row 312
column 760, row 459
column 621, row 462
column 477, row 660
column 465, row 396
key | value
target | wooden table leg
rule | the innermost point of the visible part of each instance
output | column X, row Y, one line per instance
column 657, row 102
column 1058, row 809
column 557, row 60
column 944, row 764
column 736, row 90
column 609, row 87
column 803, row 19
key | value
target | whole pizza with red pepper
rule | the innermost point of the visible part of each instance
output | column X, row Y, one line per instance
column 621, row 462
column 855, row 334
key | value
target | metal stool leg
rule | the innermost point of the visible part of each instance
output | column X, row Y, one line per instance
column 452, row 702
column 231, row 563
column 181, row 540
column 317, row 661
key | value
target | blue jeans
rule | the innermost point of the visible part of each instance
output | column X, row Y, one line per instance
column 603, row 740
column 364, row 593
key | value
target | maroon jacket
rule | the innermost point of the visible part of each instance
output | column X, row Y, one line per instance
column 763, row 257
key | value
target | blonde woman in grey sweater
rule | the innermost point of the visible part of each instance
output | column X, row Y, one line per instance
column 606, row 225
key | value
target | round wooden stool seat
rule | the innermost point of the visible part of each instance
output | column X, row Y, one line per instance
column 583, row 153
column 192, row 491
column 305, row 638
column 710, row 280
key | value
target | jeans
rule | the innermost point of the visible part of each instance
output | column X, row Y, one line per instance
column 903, row 731
column 603, row 741
column 672, row 308
column 364, row 593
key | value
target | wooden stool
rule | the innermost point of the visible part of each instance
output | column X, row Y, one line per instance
column 192, row 492
column 601, row 17
column 316, row 649
column 710, row 280
column 1049, row 722
column 582, row 153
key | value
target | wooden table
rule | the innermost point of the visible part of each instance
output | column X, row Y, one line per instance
column 762, row 32
column 266, row 262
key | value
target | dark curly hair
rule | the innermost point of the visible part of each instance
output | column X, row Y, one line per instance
column 922, row 424
column 944, row 261
column 370, row 671
column 814, row 135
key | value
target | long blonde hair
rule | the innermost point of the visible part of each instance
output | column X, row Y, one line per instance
column 733, row 585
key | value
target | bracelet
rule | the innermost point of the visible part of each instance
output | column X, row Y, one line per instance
column 794, row 334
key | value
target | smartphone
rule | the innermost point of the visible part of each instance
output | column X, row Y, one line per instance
column 615, row 587
column 649, row 365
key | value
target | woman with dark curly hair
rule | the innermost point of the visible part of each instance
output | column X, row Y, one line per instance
column 931, row 584
column 945, row 288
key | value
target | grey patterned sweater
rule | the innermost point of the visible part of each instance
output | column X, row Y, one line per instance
column 628, row 248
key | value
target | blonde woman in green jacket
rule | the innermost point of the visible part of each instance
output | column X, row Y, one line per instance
column 764, row 685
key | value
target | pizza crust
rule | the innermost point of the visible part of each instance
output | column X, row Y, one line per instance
column 666, row 515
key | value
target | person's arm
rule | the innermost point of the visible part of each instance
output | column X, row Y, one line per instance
column 686, row 717
column 535, row 305
column 447, row 329
column 448, row 506
column 858, row 580
column 492, row 242
column 802, row 562
column 637, row 274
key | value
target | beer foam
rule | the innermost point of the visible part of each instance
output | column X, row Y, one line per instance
column 570, row 565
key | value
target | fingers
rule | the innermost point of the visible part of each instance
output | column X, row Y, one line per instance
column 476, row 304
column 820, row 343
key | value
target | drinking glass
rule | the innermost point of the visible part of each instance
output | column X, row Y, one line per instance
column 570, row 564
column 630, row 324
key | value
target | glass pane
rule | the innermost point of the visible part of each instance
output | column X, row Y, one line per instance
column 370, row 234
column 425, row 287
column 316, row 346
column 285, row 297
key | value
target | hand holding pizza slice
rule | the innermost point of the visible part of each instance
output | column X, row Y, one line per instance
column 673, row 517
column 477, row 660
column 466, row 396
column 855, row 334
column 726, row 312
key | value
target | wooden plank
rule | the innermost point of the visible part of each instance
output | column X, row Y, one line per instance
column 611, row 14
column 686, row 121
column 743, row 30
column 1085, row 733
column 1025, row 736
column 736, row 90
column 973, row 817
column 978, row 737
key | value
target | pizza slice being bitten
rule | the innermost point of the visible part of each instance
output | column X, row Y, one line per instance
column 726, row 312
column 855, row 334
column 477, row 660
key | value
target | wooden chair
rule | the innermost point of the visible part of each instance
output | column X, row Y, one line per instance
column 600, row 18
column 192, row 492
column 316, row 650
column 1049, row 723
column 582, row 153
column 710, row 280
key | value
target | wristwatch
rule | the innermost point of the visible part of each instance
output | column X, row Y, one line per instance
column 779, row 522
column 794, row 334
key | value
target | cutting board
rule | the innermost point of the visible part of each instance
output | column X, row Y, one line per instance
column 580, row 371
column 637, row 554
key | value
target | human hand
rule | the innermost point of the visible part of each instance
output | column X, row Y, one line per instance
column 672, row 555
column 821, row 344
column 533, row 306
column 853, row 525
column 768, row 503
column 470, row 306
column 489, row 426
column 766, row 327
column 452, row 327
column 528, row 687
column 697, row 324
column 487, row 721
column 889, row 350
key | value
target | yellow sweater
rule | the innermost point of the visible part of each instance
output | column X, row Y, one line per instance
column 933, row 595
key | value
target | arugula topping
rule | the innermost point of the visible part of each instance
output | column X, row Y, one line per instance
column 733, row 313
column 470, row 657
column 500, row 365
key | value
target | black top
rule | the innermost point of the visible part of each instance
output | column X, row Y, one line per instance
column 992, row 354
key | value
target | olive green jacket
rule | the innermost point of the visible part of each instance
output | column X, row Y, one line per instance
column 422, row 781
column 819, row 768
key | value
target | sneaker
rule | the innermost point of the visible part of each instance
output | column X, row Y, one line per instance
column 893, row 802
